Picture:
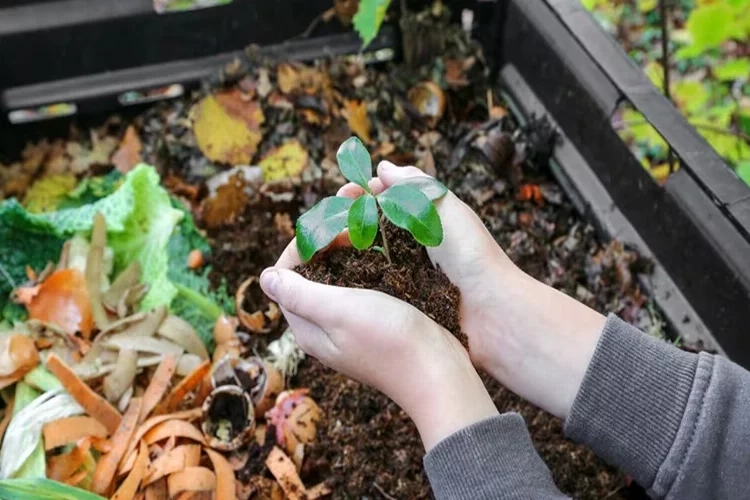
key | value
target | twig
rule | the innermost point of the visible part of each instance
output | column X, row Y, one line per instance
column 382, row 492
column 326, row 16
column 664, row 11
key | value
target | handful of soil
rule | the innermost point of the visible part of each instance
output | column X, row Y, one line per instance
column 409, row 277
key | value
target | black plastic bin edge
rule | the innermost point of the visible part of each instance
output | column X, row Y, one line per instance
column 540, row 55
column 570, row 84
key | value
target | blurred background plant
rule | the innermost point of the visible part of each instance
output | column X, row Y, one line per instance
column 708, row 72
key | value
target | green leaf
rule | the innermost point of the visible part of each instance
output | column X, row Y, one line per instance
column 691, row 95
column 733, row 70
column 710, row 25
column 743, row 170
column 647, row 5
column 319, row 226
column 42, row 489
column 408, row 208
column 355, row 162
column 363, row 221
column 146, row 233
column 430, row 187
column 25, row 239
column 655, row 73
column 368, row 19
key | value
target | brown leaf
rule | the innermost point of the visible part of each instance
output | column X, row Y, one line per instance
column 128, row 155
column 283, row 224
column 227, row 127
column 427, row 163
column 287, row 78
column 357, row 119
column 455, row 73
column 227, row 204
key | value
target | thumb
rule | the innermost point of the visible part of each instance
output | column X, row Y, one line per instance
column 306, row 299
column 390, row 174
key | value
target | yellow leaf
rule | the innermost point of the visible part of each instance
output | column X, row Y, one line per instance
column 287, row 78
column 655, row 73
column 357, row 119
column 647, row 5
column 46, row 193
column 660, row 172
column 288, row 160
column 227, row 127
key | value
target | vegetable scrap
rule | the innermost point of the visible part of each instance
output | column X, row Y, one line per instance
column 165, row 371
column 111, row 398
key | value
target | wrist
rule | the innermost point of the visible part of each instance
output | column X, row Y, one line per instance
column 452, row 397
column 537, row 341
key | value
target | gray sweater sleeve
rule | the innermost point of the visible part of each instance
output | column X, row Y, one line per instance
column 678, row 423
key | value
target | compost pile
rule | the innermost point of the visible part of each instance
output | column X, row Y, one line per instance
column 141, row 358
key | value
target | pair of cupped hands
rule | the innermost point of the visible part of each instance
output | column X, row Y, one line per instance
column 532, row 338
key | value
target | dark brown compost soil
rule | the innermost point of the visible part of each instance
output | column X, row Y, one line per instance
column 410, row 277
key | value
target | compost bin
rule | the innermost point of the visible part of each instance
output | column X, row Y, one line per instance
column 577, row 210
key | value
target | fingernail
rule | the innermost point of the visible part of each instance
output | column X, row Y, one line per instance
column 269, row 282
column 386, row 165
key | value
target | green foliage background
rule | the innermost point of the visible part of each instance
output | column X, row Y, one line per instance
column 709, row 72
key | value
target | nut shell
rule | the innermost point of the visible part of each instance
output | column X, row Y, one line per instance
column 228, row 403
column 257, row 322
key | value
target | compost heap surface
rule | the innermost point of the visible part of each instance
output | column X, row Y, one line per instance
column 287, row 121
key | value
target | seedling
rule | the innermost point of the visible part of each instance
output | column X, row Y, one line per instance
column 408, row 204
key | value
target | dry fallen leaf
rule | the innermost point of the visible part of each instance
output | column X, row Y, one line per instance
column 264, row 86
column 47, row 192
column 357, row 119
column 99, row 154
column 227, row 127
column 286, row 161
column 287, row 78
column 227, row 204
column 128, row 155
column 455, row 71
column 283, row 224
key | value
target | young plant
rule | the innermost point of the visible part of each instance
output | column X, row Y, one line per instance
column 408, row 204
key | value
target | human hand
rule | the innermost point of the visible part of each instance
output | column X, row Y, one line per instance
column 532, row 338
column 385, row 343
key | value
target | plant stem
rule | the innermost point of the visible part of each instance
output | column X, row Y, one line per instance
column 204, row 304
column 385, row 240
